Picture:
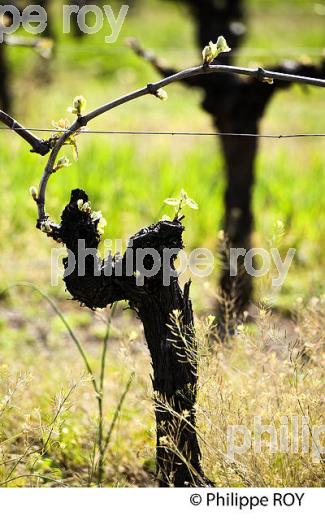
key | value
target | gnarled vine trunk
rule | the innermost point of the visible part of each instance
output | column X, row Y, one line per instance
column 166, row 313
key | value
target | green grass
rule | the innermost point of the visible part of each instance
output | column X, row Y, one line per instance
column 128, row 178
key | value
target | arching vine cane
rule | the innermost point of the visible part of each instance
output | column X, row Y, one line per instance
column 165, row 310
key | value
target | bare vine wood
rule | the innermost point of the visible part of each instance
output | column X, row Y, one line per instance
column 166, row 314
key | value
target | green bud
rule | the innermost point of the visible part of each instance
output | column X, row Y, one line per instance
column 33, row 192
column 166, row 218
column 86, row 208
column 78, row 105
column 207, row 54
column 269, row 81
column 162, row 94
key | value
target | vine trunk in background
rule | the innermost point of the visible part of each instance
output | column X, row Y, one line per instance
column 236, row 105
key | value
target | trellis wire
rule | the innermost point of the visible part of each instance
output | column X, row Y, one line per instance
column 175, row 133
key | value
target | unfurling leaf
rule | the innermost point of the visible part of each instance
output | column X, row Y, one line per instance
column 222, row 45
column 187, row 201
column 62, row 124
column 191, row 203
column 78, row 105
column 63, row 162
column 180, row 202
column 212, row 51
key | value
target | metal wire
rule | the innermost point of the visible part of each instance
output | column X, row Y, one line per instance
column 184, row 134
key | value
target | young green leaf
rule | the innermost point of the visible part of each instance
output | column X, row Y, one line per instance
column 212, row 51
column 180, row 202
column 222, row 45
column 63, row 162
column 191, row 203
column 172, row 202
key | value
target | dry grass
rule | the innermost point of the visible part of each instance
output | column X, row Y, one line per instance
column 270, row 369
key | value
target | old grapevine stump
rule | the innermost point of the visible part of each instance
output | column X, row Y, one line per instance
column 166, row 313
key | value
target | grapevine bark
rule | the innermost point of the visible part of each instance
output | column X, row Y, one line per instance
column 166, row 314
